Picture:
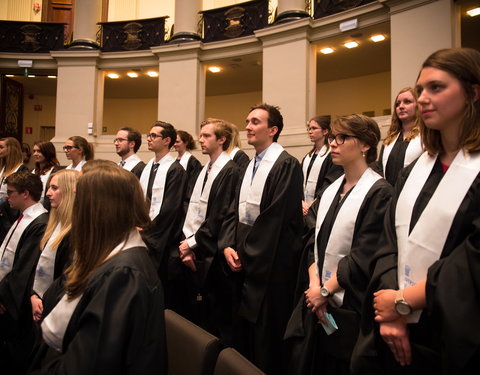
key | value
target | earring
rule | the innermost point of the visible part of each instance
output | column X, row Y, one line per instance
column 363, row 153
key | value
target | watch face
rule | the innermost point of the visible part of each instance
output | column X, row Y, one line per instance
column 324, row 292
column 403, row 308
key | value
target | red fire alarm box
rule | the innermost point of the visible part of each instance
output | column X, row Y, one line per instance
column 28, row 130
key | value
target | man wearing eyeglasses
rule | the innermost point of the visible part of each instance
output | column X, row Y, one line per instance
column 19, row 254
column 163, row 182
column 127, row 142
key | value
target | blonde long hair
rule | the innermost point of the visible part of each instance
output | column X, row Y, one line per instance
column 67, row 182
column 14, row 158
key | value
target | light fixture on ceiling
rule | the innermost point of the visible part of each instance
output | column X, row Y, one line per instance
column 51, row 76
column 31, row 76
column 351, row 44
column 327, row 50
column 474, row 12
column 113, row 75
column 10, row 75
column 214, row 69
column 377, row 38
column 132, row 74
column 152, row 74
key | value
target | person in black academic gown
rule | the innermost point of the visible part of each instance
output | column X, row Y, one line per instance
column 403, row 142
column 127, row 142
column 19, row 255
column 445, row 338
column 210, row 227
column 236, row 153
column 111, row 317
column 349, row 220
column 268, row 243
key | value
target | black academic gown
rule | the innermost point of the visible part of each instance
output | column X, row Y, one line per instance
column 395, row 161
column 269, row 252
column 447, row 337
column 164, row 233
column 194, row 167
column 241, row 159
column 138, row 169
column 118, row 325
column 215, row 234
column 312, row 350
column 329, row 172
column 16, row 325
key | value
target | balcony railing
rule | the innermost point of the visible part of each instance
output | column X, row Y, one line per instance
column 325, row 8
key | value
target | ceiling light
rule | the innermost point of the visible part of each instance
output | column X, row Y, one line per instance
column 9, row 75
column 214, row 69
column 327, row 50
column 351, row 44
column 51, row 76
column 377, row 38
column 113, row 75
column 473, row 12
column 132, row 74
column 31, row 76
column 152, row 74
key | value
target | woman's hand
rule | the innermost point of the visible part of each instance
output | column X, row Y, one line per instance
column 305, row 208
column 316, row 302
column 395, row 334
column 384, row 305
column 37, row 307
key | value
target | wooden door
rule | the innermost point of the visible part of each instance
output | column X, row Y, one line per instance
column 11, row 108
column 60, row 11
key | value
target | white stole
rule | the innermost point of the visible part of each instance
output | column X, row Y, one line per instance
column 10, row 243
column 197, row 208
column 252, row 190
column 55, row 324
column 46, row 265
column 44, row 178
column 131, row 162
column 418, row 250
column 341, row 236
column 78, row 167
column 184, row 159
column 158, row 188
column 414, row 150
column 310, row 183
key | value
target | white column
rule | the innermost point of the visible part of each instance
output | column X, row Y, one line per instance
column 290, row 10
column 186, row 21
column 416, row 32
column 86, row 15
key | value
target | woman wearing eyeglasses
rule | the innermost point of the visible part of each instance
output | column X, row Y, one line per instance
column 403, row 142
column 79, row 151
column 46, row 163
column 349, row 221
column 318, row 169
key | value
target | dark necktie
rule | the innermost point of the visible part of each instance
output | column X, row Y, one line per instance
column 122, row 163
column 151, row 179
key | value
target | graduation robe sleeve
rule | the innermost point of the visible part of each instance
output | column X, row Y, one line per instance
column 138, row 169
column 118, row 325
column 241, row 159
column 194, row 167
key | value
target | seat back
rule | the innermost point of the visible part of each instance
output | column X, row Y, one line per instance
column 231, row 362
column 191, row 350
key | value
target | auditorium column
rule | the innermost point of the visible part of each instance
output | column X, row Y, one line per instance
column 290, row 10
column 186, row 21
column 181, row 85
column 86, row 15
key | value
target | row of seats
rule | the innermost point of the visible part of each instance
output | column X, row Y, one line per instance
column 194, row 351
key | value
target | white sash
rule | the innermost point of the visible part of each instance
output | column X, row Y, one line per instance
column 55, row 324
column 197, row 208
column 78, row 167
column 419, row 250
column 158, row 188
column 414, row 150
column 46, row 265
column 234, row 152
column 44, row 178
column 310, row 184
column 184, row 159
column 10, row 243
column 252, row 190
column 131, row 162
column 340, row 239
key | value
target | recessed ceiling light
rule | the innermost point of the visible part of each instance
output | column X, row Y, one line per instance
column 351, row 44
column 31, row 76
column 113, row 75
column 9, row 75
column 152, row 74
column 473, row 12
column 132, row 74
column 214, row 69
column 327, row 50
column 51, row 76
column 377, row 38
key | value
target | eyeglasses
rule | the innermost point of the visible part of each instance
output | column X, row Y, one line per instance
column 10, row 192
column 339, row 138
column 154, row 136
column 311, row 128
column 119, row 140
column 68, row 148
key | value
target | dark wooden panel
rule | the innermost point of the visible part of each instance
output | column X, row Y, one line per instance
column 11, row 108
column 38, row 37
column 327, row 7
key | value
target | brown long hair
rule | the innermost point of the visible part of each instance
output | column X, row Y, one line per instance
column 464, row 65
column 396, row 125
column 14, row 158
column 47, row 149
column 108, row 205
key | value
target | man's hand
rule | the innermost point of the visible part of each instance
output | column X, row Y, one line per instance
column 233, row 261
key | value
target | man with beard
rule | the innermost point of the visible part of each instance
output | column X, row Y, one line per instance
column 127, row 142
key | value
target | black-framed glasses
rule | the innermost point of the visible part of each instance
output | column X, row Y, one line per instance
column 10, row 192
column 154, row 136
column 339, row 138
column 119, row 140
column 312, row 128
column 68, row 148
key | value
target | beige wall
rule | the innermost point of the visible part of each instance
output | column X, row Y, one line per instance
column 19, row 10
column 354, row 95
column 35, row 119
column 137, row 113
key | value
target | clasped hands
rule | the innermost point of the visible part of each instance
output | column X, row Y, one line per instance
column 316, row 302
column 187, row 255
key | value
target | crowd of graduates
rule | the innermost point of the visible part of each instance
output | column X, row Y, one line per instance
column 347, row 262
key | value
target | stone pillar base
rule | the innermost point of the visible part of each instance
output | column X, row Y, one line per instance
column 184, row 37
column 291, row 15
column 83, row 44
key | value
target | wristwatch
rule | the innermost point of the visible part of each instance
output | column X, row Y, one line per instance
column 401, row 306
column 325, row 292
